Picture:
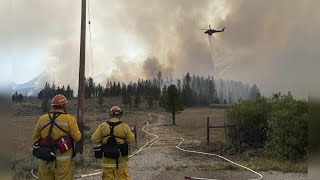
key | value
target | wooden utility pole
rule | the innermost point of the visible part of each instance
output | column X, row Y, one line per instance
column 79, row 145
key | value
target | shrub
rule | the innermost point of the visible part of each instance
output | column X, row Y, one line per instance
column 288, row 129
column 250, row 118
column 314, row 126
column 278, row 124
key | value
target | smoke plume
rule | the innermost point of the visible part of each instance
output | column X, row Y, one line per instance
column 269, row 43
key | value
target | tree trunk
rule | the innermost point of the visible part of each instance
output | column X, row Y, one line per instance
column 174, row 118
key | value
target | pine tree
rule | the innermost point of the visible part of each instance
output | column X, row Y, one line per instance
column 91, row 87
column 163, row 97
column 63, row 89
column 150, row 101
column 159, row 79
column 69, row 92
column 41, row 94
column 129, row 99
column 46, row 91
column 212, row 92
column 99, row 91
column 118, row 91
column 106, row 91
column 179, row 86
column 172, row 103
column 100, row 99
column 20, row 97
column 59, row 91
column 52, row 90
column 187, row 91
column 137, row 99
column 45, row 105
column 114, row 89
column 124, row 95
column 254, row 92
column 15, row 97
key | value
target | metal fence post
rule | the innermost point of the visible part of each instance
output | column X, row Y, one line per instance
column 208, row 131
column 225, row 129
column 135, row 134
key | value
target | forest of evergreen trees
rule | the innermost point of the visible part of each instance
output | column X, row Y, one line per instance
column 17, row 97
column 194, row 90
column 49, row 91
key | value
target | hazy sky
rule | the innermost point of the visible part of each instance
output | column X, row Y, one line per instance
column 270, row 43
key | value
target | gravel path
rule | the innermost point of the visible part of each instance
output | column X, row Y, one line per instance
column 163, row 161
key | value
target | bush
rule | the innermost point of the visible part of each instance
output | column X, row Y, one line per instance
column 314, row 126
column 250, row 118
column 288, row 129
column 278, row 124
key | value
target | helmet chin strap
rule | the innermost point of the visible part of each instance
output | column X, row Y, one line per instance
column 116, row 116
column 65, row 108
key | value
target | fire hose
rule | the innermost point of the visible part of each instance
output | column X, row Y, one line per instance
column 151, row 142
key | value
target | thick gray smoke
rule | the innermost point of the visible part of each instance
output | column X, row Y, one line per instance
column 152, row 66
column 270, row 43
column 171, row 31
column 273, row 43
column 265, row 42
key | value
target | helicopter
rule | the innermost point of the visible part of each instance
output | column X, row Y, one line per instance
column 211, row 31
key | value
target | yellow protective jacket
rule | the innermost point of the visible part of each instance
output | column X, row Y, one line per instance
column 66, row 122
column 121, row 130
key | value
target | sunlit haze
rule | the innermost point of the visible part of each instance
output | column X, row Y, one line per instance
column 268, row 43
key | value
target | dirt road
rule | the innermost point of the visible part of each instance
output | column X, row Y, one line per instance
column 162, row 161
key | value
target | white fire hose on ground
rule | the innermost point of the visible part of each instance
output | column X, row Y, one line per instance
column 209, row 154
column 178, row 147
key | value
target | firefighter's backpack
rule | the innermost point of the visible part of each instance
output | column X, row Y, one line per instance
column 111, row 149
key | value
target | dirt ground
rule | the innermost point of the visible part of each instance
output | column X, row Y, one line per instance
column 161, row 161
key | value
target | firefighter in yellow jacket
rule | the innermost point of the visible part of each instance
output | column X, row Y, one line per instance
column 64, row 130
column 114, row 169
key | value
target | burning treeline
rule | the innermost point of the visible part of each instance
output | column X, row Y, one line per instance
column 193, row 90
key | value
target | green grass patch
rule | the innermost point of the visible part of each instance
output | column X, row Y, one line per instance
column 22, row 164
column 217, row 166
column 168, row 167
column 274, row 165
column 258, row 164
column 155, row 168
column 181, row 167
column 219, row 106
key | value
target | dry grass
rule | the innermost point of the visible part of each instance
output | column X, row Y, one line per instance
column 263, row 164
column 217, row 166
column 23, row 126
column 25, row 116
column 191, row 124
